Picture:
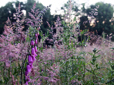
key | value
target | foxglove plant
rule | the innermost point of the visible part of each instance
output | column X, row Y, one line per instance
column 34, row 26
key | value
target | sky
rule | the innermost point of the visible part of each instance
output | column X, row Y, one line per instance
column 57, row 4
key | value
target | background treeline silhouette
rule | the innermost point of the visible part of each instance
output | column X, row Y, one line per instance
column 103, row 20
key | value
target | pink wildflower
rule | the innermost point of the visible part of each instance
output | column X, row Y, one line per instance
column 35, row 48
column 28, row 70
column 36, row 35
column 36, row 41
column 32, row 42
column 33, row 51
column 30, row 59
column 33, row 57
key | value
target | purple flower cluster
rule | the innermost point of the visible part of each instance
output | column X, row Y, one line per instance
column 12, row 41
column 31, row 58
column 36, row 16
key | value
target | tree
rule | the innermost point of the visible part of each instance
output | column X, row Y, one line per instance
column 47, row 17
column 7, row 11
column 102, row 17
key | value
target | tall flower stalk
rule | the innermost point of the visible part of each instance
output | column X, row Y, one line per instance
column 34, row 23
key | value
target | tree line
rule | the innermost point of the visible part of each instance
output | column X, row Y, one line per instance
column 101, row 13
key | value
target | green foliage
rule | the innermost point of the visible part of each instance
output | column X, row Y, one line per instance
column 4, row 14
column 110, row 73
column 7, row 11
column 102, row 20
column 84, row 23
column 73, row 65
column 74, row 6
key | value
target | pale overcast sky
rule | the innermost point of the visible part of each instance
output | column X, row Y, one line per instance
column 56, row 4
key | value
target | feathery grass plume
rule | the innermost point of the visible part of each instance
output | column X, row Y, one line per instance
column 13, row 47
column 36, row 16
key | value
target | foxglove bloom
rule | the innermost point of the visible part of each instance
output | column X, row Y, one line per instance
column 36, row 35
column 35, row 48
column 26, row 83
column 30, row 59
column 36, row 41
column 33, row 51
column 28, row 70
column 33, row 57
column 32, row 42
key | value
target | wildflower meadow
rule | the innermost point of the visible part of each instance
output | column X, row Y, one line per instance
column 27, row 60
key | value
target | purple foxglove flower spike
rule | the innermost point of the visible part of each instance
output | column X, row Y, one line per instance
column 32, row 42
column 35, row 54
column 35, row 48
column 36, row 41
column 33, row 57
column 26, row 83
column 30, row 59
column 33, row 51
column 31, row 65
column 26, row 73
column 36, row 35
column 28, row 69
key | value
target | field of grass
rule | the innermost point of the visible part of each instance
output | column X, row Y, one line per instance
column 25, row 61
